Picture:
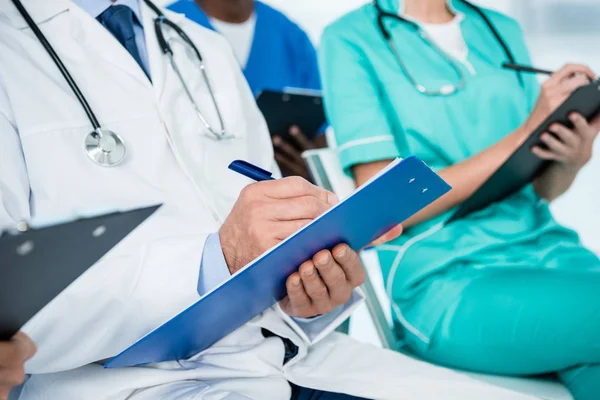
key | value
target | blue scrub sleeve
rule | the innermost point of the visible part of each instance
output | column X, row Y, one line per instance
column 307, row 58
column 354, row 105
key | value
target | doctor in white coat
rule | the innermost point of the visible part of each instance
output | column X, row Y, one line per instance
column 209, row 226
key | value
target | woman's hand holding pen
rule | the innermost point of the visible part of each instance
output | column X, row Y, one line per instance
column 555, row 90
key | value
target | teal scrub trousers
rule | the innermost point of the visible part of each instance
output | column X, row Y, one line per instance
column 524, row 322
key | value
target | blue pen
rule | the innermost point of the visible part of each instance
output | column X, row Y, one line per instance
column 251, row 171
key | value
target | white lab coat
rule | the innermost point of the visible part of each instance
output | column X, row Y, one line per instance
column 153, row 274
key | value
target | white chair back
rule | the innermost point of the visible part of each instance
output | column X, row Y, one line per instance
column 326, row 171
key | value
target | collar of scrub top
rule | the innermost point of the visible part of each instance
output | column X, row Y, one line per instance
column 398, row 7
column 458, row 8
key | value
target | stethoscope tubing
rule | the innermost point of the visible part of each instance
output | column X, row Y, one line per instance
column 165, row 48
column 382, row 14
column 61, row 66
column 168, row 51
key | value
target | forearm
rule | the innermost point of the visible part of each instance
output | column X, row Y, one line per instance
column 465, row 177
column 554, row 182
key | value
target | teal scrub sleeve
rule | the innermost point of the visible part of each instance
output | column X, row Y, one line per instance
column 354, row 103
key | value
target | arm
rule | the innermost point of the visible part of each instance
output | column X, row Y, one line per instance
column 267, row 213
column 466, row 177
column 368, row 140
column 370, row 137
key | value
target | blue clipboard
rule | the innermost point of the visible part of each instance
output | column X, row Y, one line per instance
column 398, row 192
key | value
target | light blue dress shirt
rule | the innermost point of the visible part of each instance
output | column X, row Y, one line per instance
column 218, row 272
column 97, row 7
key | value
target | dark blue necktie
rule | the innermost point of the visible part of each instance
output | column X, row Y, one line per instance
column 120, row 20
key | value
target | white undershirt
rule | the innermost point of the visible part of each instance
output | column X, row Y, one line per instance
column 239, row 36
column 449, row 37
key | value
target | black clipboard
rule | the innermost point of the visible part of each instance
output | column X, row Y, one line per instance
column 523, row 166
column 35, row 266
column 282, row 110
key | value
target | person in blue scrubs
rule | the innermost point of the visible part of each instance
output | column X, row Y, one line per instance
column 274, row 53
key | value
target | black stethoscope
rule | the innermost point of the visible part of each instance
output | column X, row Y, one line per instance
column 444, row 90
column 104, row 147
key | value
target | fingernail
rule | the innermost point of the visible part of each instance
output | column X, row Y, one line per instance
column 309, row 272
column 324, row 260
column 276, row 140
column 332, row 199
column 294, row 130
column 296, row 281
column 341, row 253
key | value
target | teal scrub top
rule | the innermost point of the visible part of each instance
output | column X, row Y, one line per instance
column 377, row 114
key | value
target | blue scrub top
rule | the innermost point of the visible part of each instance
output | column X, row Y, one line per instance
column 282, row 55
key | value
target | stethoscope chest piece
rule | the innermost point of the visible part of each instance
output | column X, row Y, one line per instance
column 105, row 148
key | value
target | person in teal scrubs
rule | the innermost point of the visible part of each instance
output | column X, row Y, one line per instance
column 506, row 290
